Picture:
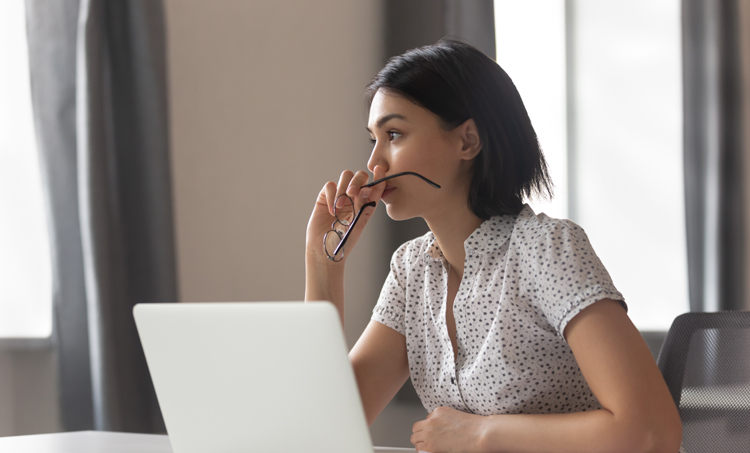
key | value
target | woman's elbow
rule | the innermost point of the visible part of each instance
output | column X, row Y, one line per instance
column 663, row 436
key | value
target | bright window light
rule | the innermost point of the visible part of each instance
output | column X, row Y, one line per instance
column 625, row 185
column 530, row 42
column 630, row 192
column 25, row 271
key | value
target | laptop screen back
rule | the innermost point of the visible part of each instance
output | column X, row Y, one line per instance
column 261, row 376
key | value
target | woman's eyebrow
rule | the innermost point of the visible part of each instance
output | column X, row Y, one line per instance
column 386, row 118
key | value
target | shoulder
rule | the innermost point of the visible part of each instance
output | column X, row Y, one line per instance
column 411, row 252
column 542, row 230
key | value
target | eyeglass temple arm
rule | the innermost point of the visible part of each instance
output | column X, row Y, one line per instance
column 373, row 203
column 374, row 183
column 351, row 227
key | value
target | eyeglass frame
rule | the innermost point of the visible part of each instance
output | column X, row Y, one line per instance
column 350, row 227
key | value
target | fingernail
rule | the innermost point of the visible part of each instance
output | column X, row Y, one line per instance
column 340, row 202
column 365, row 193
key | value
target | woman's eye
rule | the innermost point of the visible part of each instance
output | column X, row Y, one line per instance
column 392, row 135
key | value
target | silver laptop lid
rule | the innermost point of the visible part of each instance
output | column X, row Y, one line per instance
column 253, row 377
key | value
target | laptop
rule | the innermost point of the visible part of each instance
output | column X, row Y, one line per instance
column 254, row 377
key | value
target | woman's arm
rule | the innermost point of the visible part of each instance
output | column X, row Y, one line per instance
column 324, row 282
column 324, row 279
column 638, row 412
column 381, row 366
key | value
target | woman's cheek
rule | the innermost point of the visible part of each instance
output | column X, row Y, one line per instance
column 408, row 158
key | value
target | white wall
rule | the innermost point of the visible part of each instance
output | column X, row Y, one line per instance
column 266, row 106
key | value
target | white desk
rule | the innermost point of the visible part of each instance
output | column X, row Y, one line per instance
column 102, row 442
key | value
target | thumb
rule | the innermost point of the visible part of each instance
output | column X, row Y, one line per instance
column 377, row 190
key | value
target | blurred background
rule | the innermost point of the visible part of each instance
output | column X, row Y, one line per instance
column 165, row 151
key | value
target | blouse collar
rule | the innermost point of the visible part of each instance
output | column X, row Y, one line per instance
column 488, row 238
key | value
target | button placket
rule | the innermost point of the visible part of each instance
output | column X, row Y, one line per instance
column 469, row 263
column 448, row 347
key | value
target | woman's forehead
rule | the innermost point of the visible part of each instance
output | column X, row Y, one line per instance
column 387, row 106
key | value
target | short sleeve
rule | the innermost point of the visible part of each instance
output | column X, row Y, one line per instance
column 569, row 275
column 390, row 308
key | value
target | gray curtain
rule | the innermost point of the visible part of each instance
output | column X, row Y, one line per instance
column 416, row 23
column 713, row 159
column 98, row 78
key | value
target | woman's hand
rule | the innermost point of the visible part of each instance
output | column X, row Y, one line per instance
column 448, row 430
column 323, row 214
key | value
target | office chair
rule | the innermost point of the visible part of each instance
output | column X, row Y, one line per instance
column 705, row 361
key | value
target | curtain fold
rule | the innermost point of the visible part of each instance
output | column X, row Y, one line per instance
column 473, row 21
column 52, row 69
column 98, row 72
column 714, row 158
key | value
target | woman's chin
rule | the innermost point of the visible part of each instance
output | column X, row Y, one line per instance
column 397, row 214
column 392, row 212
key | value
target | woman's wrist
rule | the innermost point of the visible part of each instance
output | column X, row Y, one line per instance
column 325, row 282
column 324, row 279
column 483, row 435
column 319, row 263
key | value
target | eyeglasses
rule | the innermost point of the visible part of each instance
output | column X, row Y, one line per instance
column 334, row 240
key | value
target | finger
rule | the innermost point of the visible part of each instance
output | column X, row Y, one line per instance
column 417, row 439
column 377, row 190
column 353, row 190
column 329, row 191
column 346, row 177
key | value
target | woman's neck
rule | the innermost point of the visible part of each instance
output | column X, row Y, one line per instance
column 451, row 231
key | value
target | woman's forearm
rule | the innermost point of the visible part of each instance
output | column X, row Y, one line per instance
column 325, row 282
column 591, row 431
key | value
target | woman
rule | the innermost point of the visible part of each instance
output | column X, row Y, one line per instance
column 506, row 321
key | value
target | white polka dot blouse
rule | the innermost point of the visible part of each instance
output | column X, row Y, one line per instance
column 525, row 277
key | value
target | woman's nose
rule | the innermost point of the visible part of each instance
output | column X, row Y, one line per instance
column 376, row 158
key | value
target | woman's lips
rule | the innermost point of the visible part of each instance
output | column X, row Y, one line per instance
column 387, row 191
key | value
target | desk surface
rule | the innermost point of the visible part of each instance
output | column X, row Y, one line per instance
column 100, row 442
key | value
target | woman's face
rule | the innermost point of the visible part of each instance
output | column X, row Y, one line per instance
column 408, row 137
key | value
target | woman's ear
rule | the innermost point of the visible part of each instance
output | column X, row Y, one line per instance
column 471, row 143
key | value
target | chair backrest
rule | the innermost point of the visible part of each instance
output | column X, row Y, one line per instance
column 705, row 361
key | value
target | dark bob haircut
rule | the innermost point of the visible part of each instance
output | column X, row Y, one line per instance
column 456, row 81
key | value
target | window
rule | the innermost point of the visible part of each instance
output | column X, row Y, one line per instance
column 25, row 269
column 615, row 155
column 531, row 49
